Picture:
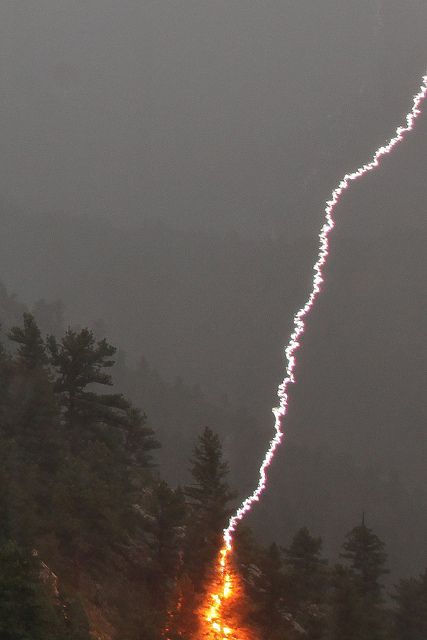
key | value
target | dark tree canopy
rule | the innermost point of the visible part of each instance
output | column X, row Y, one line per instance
column 411, row 614
column 78, row 490
column 365, row 553
column 358, row 611
column 31, row 350
column 209, row 498
column 80, row 361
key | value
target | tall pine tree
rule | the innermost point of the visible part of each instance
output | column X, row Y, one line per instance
column 209, row 498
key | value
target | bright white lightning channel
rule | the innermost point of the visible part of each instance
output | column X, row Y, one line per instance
column 299, row 318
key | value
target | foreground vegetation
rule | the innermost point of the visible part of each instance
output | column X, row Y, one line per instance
column 94, row 541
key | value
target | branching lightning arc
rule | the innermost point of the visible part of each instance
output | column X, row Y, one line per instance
column 299, row 318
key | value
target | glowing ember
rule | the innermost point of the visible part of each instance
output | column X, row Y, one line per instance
column 215, row 611
column 219, row 615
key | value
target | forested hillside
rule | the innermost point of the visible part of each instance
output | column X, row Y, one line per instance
column 94, row 543
column 200, row 319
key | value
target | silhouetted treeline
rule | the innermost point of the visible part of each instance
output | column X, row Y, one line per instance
column 296, row 593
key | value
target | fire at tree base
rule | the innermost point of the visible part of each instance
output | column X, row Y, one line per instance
column 225, row 607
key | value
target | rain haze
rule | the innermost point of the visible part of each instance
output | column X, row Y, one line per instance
column 163, row 177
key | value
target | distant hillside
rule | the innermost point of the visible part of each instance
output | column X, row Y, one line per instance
column 216, row 310
column 210, row 313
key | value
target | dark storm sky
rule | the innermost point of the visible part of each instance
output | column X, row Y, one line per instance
column 211, row 113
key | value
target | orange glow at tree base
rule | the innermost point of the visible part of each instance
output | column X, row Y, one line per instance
column 221, row 613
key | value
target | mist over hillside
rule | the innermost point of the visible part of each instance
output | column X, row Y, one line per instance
column 209, row 314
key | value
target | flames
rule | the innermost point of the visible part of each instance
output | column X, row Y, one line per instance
column 222, row 590
column 223, row 610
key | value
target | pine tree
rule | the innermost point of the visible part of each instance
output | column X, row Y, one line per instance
column 107, row 449
column 80, row 361
column 411, row 611
column 165, row 529
column 346, row 606
column 140, row 441
column 32, row 437
column 268, row 591
column 209, row 499
column 31, row 351
column 306, row 581
column 305, row 566
column 358, row 611
column 365, row 553
column 168, row 513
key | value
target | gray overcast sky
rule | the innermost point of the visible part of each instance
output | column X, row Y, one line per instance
column 236, row 113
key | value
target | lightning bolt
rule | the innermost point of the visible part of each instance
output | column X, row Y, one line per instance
column 214, row 615
column 299, row 318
